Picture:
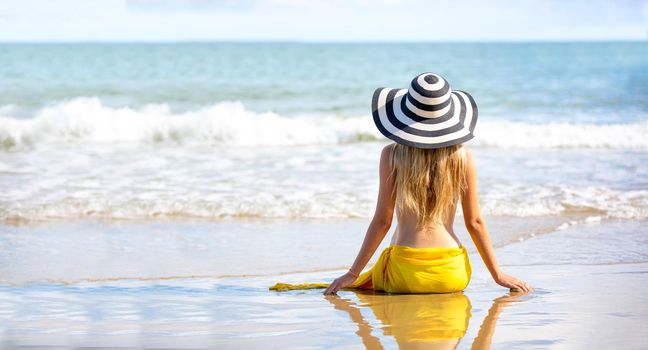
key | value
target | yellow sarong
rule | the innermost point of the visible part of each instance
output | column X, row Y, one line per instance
column 402, row 269
column 420, row 318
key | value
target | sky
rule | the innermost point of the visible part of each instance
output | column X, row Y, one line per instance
column 322, row 20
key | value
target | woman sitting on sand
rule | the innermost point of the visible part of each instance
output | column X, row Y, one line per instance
column 422, row 176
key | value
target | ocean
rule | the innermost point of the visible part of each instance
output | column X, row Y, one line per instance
column 131, row 169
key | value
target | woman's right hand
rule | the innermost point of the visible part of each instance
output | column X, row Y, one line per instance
column 513, row 283
column 341, row 282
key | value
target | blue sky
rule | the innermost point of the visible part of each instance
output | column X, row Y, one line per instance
column 322, row 20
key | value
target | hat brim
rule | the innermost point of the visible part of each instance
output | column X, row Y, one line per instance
column 399, row 123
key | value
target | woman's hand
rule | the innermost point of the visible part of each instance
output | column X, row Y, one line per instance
column 513, row 283
column 340, row 282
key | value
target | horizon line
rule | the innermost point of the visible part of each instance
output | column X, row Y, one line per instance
column 323, row 41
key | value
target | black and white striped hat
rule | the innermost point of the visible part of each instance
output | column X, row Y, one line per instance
column 426, row 115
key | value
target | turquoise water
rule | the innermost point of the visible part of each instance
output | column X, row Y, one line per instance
column 150, row 193
column 574, row 82
column 230, row 130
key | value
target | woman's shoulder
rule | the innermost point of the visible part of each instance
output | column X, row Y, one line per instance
column 388, row 149
column 387, row 155
column 389, row 146
column 467, row 152
column 468, row 158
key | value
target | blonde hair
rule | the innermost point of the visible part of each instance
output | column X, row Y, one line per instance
column 428, row 182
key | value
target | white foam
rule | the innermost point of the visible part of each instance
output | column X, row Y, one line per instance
column 88, row 121
column 503, row 134
column 597, row 202
column 593, row 204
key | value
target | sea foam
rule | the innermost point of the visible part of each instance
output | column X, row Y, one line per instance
column 89, row 121
column 184, row 203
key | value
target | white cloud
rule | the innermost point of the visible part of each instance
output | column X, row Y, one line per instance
column 190, row 5
column 365, row 20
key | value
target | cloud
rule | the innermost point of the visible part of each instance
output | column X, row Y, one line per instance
column 190, row 5
column 323, row 20
column 252, row 5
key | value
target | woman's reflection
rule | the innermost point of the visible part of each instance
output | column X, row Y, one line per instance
column 421, row 321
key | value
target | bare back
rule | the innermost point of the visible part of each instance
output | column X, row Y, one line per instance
column 432, row 235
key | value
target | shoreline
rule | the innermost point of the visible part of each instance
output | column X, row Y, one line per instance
column 132, row 251
column 586, row 301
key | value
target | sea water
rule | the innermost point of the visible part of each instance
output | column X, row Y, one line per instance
column 130, row 170
column 284, row 130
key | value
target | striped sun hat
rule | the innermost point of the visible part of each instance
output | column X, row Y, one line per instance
column 426, row 115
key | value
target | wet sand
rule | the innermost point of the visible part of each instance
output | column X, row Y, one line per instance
column 589, row 282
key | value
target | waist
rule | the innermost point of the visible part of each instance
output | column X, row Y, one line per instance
column 427, row 253
column 426, row 238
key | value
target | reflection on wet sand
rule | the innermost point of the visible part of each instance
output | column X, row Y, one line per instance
column 420, row 321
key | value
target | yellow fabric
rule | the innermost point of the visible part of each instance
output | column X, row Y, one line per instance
column 402, row 269
column 280, row 287
column 415, row 318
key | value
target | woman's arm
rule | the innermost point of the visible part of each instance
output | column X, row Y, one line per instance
column 479, row 233
column 378, row 227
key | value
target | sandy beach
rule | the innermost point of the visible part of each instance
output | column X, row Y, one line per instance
column 587, row 277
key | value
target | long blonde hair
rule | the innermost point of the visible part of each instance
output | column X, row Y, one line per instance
column 428, row 182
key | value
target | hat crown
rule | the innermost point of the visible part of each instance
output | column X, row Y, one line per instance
column 429, row 89
column 427, row 114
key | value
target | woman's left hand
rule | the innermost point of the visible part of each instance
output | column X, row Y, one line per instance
column 340, row 282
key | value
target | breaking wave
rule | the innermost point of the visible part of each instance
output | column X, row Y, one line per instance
column 88, row 121
column 598, row 202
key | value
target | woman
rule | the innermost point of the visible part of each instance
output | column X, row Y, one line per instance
column 423, row 175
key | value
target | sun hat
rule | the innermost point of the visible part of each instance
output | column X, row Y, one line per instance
column 428, row 114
